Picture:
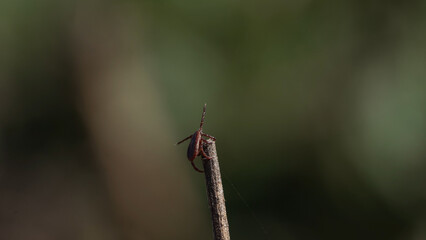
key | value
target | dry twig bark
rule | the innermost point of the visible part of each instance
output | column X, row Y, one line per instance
column 215, row 192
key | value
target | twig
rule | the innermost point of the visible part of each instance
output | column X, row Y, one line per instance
column 215, row 192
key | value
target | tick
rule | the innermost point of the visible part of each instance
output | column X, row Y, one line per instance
column 195, row 147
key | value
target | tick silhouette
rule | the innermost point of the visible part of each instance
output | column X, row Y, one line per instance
column 195, row 147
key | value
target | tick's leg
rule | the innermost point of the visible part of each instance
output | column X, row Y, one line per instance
column 206, row 135
column 203, row 153
column 184, row 140
column 195, row 167
column 205, row 141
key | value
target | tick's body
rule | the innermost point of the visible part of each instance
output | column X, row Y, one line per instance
column 195, row 147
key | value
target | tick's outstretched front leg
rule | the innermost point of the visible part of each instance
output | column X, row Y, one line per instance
column 183, row 140
column 206, row 135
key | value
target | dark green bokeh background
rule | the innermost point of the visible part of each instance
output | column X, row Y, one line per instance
column 318, row 107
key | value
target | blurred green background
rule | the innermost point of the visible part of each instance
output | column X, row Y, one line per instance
column 318, row 108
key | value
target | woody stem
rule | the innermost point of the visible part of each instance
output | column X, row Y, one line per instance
column 215, row 192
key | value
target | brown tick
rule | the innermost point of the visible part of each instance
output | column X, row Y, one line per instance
column 195, row 147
